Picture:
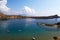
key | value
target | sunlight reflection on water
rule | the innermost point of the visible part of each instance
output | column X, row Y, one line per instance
column 27, row 28
column 4, row 24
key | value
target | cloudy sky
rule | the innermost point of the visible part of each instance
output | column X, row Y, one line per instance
column 30, row 7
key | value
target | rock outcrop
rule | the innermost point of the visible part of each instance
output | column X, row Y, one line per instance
column 3, row 16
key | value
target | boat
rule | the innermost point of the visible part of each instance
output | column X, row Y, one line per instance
column 50, row 25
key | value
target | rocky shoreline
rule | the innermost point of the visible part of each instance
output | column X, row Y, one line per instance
column 3, row 16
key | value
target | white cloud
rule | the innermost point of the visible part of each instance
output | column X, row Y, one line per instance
column 6, row 10
column 27, row 11
column 3, row 6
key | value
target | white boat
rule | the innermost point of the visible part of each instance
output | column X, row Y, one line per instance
column 49, row 25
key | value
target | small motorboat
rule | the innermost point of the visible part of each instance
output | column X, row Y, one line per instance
column 50, row 25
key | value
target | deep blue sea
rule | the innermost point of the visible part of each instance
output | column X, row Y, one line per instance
column 25, row 29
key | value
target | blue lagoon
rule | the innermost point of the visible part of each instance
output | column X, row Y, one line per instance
column 25, row 29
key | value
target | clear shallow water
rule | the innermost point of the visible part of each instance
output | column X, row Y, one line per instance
column 25, row 29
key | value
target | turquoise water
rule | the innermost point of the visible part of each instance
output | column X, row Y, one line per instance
column 25, row 29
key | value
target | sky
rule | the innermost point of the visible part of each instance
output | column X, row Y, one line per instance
column 30, row 7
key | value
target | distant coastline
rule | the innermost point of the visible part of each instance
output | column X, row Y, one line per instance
column 3, row 16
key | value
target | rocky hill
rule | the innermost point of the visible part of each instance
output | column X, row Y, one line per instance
column 3, row 16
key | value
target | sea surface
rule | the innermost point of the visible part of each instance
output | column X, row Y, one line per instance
column 26, row 29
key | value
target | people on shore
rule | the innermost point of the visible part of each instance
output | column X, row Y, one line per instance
column 33, row 38
column 55, row 38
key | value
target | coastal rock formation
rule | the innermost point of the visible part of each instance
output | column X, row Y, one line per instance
column 3, row 16
column 13, row 16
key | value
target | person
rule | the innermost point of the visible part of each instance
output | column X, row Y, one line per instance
column 33, row 38
column 55, row 38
